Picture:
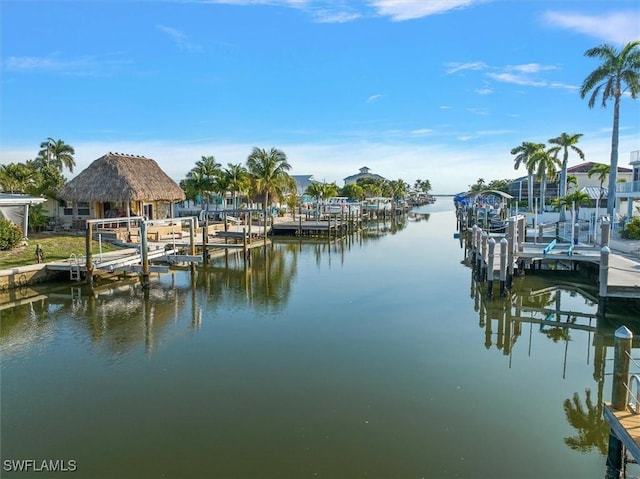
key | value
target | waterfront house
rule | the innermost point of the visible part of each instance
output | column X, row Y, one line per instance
column 364, row 173
column 118, row 185
column 629, row 191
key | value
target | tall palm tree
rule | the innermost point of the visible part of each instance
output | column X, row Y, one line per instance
column 58, row 154
column 205, row 175
column 618, row 73
column 237, row 180
column 524, row 154
column 268, row 170
column 546, row 166
column 563, row 143
column 602, row 171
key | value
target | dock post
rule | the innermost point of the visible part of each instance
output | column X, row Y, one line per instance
column 512, row 231
column 605, row 232
column 483, row 269
column 490, row 262
column 205, row 239
column 541, row 233
column 473, row 246
column 603, row 279
column 144, row 253
column 622, row 350
column 244, row 245
column 89, row 256
column 504, row 246
column 479, row 254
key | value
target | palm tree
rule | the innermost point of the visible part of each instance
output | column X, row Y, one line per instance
column 269, row 171
column 204, row 176
column 572, row 180
column 602, row 171
column 16, row 178
column 618, row 73
column 545, row 165
column 579, row 198
column 58, row 154
column 563, row 143
column 524, row 154
column 237, row 180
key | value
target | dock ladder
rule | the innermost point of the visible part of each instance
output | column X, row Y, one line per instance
column 74, row 266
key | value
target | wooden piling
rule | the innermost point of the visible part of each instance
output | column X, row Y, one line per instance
column 144, row 252
column 490, row 263
column 504, row 245
column 89, row 255
column 603, row 279
column 622, row 349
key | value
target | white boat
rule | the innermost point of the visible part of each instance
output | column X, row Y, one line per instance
column 337, row 205
column 377, row 203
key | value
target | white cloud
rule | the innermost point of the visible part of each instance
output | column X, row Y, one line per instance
column 618, row 27
column 374, row 98
column 454, row 67
column 400, row 10
column 180, row 39
column 516, row 79
column 340, row 16
column 87, row 65
column 484, row 91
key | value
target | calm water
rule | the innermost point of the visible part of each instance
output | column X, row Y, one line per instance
column 377, row 357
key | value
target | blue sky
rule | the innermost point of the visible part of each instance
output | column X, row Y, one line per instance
column 437, row 90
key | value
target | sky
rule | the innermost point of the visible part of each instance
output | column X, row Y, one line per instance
column 437, row 90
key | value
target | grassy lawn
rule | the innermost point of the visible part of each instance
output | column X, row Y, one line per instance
column 55, row 246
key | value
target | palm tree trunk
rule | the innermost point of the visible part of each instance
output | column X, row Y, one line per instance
column 530, row 192
column 613, row 174
column 563, row 186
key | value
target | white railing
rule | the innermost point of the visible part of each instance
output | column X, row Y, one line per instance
column 628, row 187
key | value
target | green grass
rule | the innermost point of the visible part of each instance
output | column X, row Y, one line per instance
column 55, row 246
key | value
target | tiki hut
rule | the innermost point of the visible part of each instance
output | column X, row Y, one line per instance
column 118, row 185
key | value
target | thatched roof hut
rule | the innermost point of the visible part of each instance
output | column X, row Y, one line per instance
column 118, row 184
column 123, row 178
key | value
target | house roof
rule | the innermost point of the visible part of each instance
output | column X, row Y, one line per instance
column 586, row 166
column 594, row 192
column 122, row 177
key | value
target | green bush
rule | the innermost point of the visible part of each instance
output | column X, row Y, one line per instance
column 632, row 229
column 37, row 218
column 10, row 234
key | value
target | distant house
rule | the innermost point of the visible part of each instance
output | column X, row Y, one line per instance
column 119, row 184
column 15, row 208
column 581, row 172
column 519, row 189
column 302, row 183
column 364, row 173
column 629, row 191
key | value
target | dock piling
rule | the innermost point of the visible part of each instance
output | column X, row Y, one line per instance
column 504, row 244
column 492, row 247
column 622, row 353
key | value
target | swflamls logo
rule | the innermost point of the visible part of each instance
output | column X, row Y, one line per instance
column 45, row 465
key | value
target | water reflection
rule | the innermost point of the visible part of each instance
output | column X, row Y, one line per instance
column 558, row 312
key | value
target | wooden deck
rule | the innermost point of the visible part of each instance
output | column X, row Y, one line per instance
column 626, row 427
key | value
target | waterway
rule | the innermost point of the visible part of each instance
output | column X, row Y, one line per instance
column 373, row 357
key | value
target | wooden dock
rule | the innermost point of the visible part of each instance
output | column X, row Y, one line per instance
column 626, row 426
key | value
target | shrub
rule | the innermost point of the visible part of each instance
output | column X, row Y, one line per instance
column 37, row 218
column 10, row 234
column 632, row 229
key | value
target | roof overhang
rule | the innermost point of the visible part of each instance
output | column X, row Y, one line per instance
column 19, row 200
